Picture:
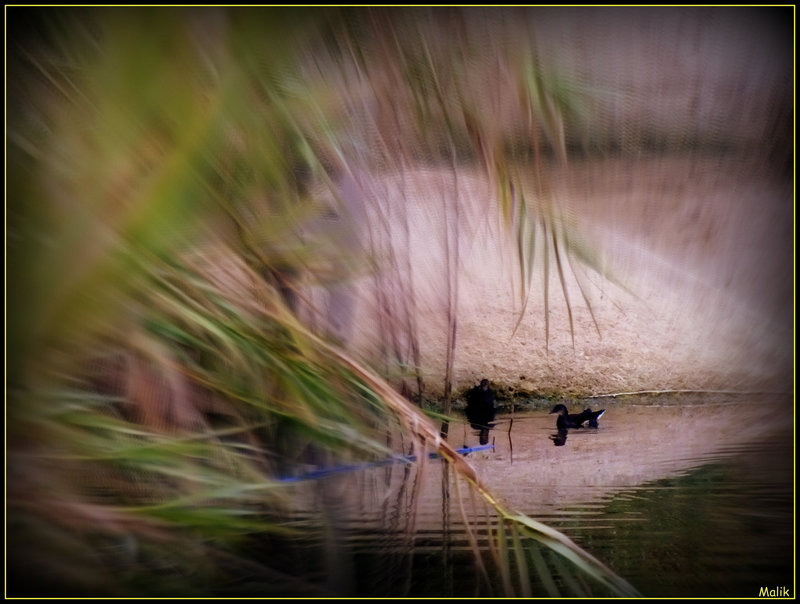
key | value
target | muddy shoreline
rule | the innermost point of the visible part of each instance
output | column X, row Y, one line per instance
column 694, row 291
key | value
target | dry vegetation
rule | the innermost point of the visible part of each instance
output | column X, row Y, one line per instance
column 182, row 296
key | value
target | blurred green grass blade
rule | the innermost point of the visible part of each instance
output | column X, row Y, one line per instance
column 542, row 571
column 521, row 564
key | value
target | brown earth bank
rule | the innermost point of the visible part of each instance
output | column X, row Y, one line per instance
column 689, row 288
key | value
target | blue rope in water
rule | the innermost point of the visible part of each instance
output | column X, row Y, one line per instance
column 321, row 473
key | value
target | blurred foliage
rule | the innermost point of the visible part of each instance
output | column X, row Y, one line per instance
column 160, row 164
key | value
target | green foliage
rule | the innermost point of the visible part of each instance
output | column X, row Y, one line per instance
column 161, row 162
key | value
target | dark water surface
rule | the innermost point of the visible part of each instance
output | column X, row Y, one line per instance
column 678, row 499
column 722, row 529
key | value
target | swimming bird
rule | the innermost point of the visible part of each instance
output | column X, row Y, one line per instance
column 480, row 409
column 480, row 405
column 576, row 420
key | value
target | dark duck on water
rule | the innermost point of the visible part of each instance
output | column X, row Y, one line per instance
column 480, row 409
column 576, row 420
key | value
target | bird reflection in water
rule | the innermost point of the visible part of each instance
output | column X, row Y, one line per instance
column 559, row 439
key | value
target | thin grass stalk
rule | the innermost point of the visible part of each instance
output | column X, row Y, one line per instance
column 412, row 516
column 526, row 256
column 573, row 584
column 451, row 265
column 412, row 330
column 468, row 527
column 447, row 565
column 503, row 557
column 546, row 285
column 522, row 565
column 585, row 296
column 564, row 289
column 543, row 571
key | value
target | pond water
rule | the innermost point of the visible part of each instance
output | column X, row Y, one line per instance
column 681, row 500
column 679, row 497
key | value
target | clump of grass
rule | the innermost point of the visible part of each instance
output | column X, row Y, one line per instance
column 161, row 166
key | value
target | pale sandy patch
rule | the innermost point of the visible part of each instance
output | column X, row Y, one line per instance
column 701, row 249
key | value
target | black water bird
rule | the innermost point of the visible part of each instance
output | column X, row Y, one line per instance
column 480, row 409
column 576, row 420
